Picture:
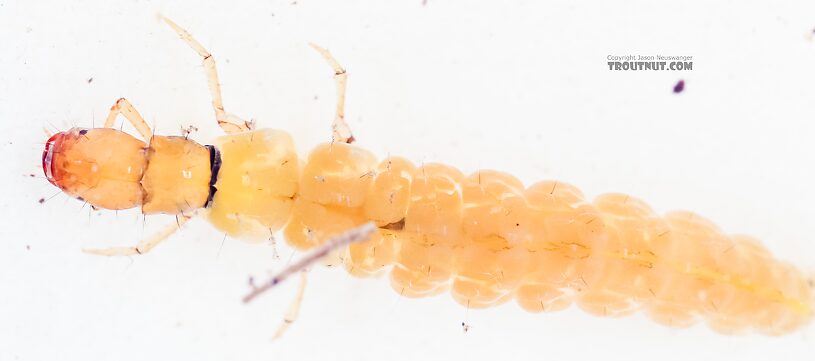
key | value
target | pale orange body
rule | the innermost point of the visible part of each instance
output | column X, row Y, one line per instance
column 485, row 237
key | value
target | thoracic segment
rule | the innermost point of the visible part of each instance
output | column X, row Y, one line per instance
column 488, row 239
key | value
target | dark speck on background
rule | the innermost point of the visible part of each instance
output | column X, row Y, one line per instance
column 90, row 80
column 41, row 201
column 679, row 87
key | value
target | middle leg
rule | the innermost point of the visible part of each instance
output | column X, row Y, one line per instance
column 230, row 124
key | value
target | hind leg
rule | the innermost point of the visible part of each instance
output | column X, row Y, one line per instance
column 340, row 131
column 294, row 309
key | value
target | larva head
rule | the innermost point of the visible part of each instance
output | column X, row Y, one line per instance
column 103, row 166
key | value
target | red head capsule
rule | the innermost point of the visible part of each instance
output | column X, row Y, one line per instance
column 102, row 166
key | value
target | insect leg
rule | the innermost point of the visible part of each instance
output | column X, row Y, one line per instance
column 144, row 245
column 340, row 131
column 294, row 309
column 123, row 107
column 230, row 124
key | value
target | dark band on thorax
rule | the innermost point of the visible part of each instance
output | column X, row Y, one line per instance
column 215, row 167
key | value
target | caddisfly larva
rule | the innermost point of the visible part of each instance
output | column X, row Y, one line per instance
column 484, row 237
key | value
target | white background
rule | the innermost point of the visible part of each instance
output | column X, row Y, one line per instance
column 520, row 86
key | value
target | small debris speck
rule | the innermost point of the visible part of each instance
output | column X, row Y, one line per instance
column 27, row 247
column 90, row 80
column 679, row 87
column 186, row 131
column 41, row 201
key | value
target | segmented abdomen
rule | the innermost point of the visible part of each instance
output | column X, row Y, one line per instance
column 488, row 239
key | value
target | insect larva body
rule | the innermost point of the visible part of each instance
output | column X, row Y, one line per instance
column 484, row 237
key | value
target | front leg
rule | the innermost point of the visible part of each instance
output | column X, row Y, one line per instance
column 144, row 245
column 123, row 107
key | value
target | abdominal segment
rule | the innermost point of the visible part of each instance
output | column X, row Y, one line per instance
column 487, row 239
